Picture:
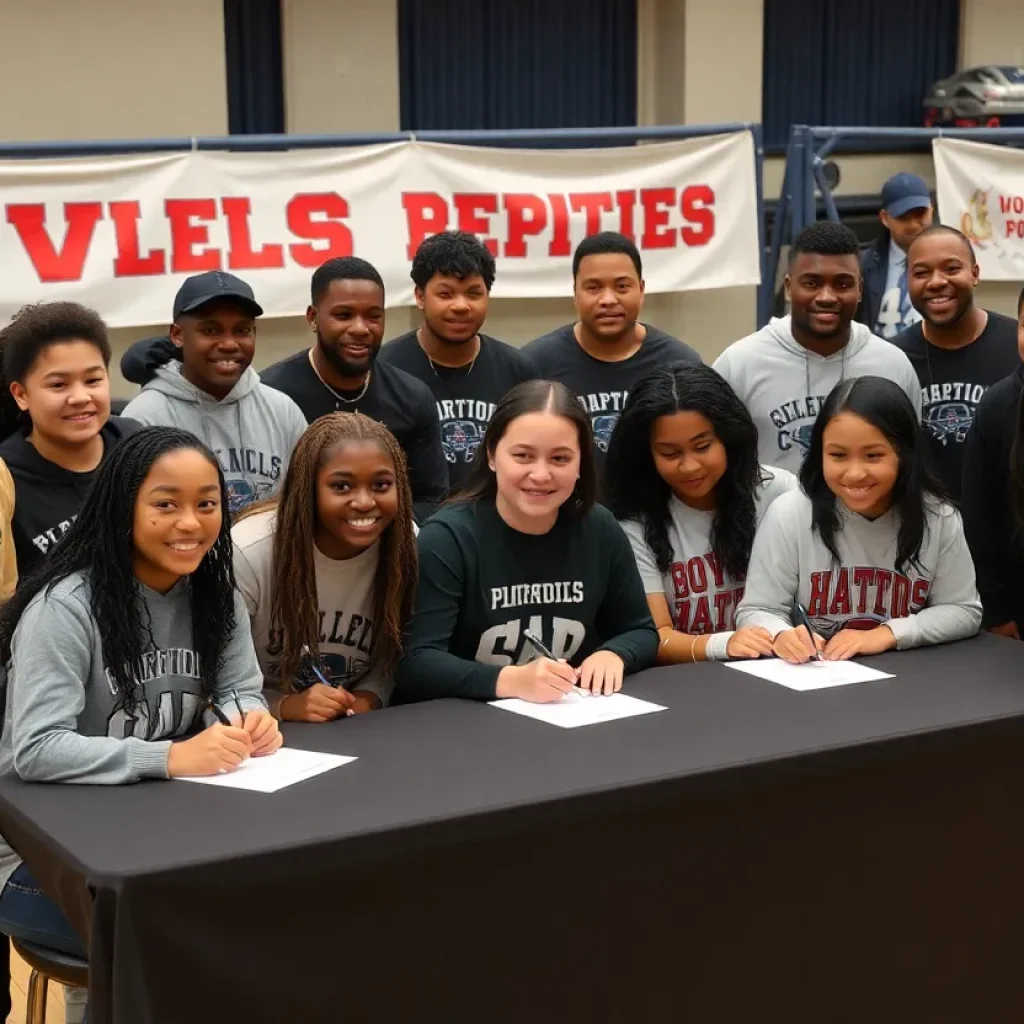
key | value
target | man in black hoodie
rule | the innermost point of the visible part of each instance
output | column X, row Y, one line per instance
column 55, row 407
column 906, row 212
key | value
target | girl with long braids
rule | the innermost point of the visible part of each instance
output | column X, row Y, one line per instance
column 122, row 643
column 683, row 479
column 328, row 571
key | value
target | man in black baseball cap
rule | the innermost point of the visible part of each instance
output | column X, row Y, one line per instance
column 145, row 357
column 906, row 212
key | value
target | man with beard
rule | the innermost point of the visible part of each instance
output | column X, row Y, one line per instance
column 607, row 350
column 467, row 372
column 784, row 372
column 959, row 349
column 340, row 373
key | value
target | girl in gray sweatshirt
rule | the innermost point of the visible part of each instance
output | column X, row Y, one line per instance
column 121, row 648
column 868, row 546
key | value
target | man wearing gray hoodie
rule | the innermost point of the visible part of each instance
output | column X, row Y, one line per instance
column 216, row 394
column 784, row 372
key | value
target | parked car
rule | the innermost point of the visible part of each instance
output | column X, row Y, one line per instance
column 989, row 96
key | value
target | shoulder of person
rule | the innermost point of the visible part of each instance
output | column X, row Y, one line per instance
column 997, row 400
column 910, row 340
column 551, row 341
column 254, row 531
column 278, row 400
column 455, row 523
column 71, row 594
column 792, row 506
column 123, row 426
column 398, row 380
column 600, row 519
column 149, row 400
column 284, row 369
column 1002, row 322
column 502, row 351
column 393, row 351
column 6, row 489
column 672, row 346
column 775, row 482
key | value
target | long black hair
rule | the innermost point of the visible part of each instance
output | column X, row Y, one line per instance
column 533, row 396
column 886, row 407
column 633, row 487
column 99, row 544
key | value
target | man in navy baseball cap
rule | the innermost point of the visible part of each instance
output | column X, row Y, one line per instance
column 215, row 286
column 906, row 212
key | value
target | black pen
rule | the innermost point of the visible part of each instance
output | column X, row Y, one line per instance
column 803, row 620
column 241, row 713
column 221, row 717
column 311, row 661
column 538, row 646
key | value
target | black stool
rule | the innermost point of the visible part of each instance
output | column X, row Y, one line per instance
column 48, row 964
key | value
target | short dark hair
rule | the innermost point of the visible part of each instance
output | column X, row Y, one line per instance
column 533, row 396
column 945, row 229
column 452, row 254
column 342, row 268
column 825, row 238
column 33, row 330
column 1020, row 302
column 603, row 242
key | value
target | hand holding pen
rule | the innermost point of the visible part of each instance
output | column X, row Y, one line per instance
column 321, row 702
column 800, row 644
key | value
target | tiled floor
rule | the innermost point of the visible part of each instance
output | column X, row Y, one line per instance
column 19, row 995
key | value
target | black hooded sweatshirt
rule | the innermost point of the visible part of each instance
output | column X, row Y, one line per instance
column 47, row 497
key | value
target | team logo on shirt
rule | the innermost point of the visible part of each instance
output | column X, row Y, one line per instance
column 862, row 597
column 460, row 440
column 795, row 421
column 244, row 492
column 698, row 611
column 604, row 408
column 45, row 541
column 342, row 670
column 949, row 410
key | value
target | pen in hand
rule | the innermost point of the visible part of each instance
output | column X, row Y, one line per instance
column 307, row 654
column 536, row 643
column 802, row 620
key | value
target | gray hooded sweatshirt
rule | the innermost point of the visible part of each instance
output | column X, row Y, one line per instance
column 252, row 430
column 784, row 386
column 62, row 724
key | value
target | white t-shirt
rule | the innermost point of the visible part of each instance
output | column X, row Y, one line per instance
column 345, row 597
column 702, row 597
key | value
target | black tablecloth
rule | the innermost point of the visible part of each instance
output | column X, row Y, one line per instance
column 752, row 853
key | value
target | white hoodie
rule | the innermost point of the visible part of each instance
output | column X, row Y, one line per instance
column 252, row 430
column 784, row 386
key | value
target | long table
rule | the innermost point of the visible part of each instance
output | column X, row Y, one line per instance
column 750, row 854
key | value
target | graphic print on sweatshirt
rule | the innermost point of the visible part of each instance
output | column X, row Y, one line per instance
column 251, row 475
column 173, row 712
column 463, row 423
column 505, row 644
column 349, row 631
column 794, row 421
column 947, row 410
column 604, row 408
column 45, row 541
column 704, row 597
column 863, row 597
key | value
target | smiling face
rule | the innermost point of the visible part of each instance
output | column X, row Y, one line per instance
column 66, row 392
column 860, row 464
column 454, row 309
column 608, row 294
column 356, row 498
column 536, row 464
column 824, row 292
column 941, row 278
column 689, row 457
column 217, row 345
column 349, row 325
column 178, row 517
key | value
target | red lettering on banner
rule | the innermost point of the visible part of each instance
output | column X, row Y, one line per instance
column 185, row 235
column 426, row 213
column 527, row 215
column 626, row 202
column 468, row 207
column 29, row 221
column 241, row 255
column 129, row 262
column 560, row 245
column 656, row 203
column 592, row 204
column 696, row 204
column 300, row 213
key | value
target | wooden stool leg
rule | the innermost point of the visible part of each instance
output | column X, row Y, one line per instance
column 36, row 1011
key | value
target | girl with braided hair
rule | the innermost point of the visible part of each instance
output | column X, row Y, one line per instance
column 121, row 644
column 684, row 480
column 328, row 571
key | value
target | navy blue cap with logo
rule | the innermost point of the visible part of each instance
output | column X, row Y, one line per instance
column 215, row 286
column 903, row 193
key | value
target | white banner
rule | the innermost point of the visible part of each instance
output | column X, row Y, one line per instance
column 981, row 193
column 121, row 233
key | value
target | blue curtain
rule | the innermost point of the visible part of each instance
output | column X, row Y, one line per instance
column 467, row 64
column 252, row 38
column 855, row 62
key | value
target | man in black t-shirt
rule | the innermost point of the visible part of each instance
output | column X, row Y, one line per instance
column 466, row 371
column 959, row 349
column 603, row 354
column 340, row 373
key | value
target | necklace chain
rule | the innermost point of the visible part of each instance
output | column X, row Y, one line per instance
column 340, row 398
column 433, row 365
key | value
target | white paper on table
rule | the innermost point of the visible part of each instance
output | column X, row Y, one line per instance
column 576, row 709
column 283, row 768
column 812, row 675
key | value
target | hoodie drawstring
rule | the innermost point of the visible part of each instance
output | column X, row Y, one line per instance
column 842, row 369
